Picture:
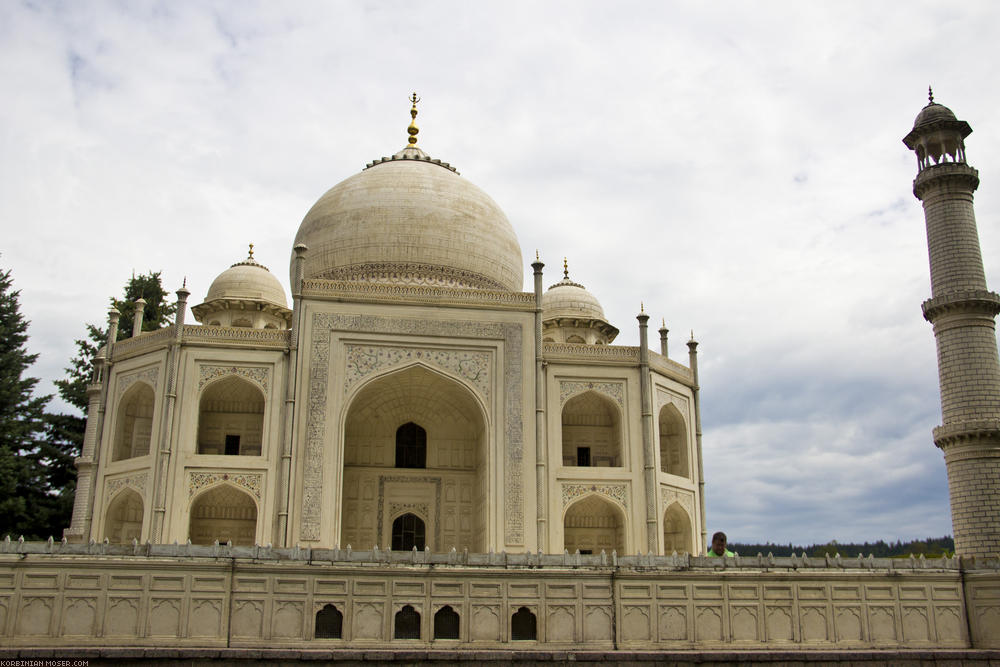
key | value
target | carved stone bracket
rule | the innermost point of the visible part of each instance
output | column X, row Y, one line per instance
column 363, row 360
column 258, row 375
column 613, row 390
column 136, row 481
column 148, row 375
column 323, row 324
column 616, row 492
column 250, row 481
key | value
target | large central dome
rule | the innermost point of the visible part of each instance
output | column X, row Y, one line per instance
column 411, row 220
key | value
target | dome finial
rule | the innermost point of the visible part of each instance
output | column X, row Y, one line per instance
column 930, row 95
column 413, row 129
column 565, row 268
column 251, row 252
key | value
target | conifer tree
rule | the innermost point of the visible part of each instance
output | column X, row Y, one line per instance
column 22, row 493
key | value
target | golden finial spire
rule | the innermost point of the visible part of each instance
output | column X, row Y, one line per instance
column 692, row 334
column 930, row 95
column 565, row 269
column 642, row 307
column 413, row 129
column 185, row 283
column 537, row 258
column 663, row 322
column 251, row 252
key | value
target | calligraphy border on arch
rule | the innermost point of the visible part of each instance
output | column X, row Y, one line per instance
column 665, row 396
column 148, row 374
column 471, row 365
column 259, row 375
column 136, row 480
column 685, row 499
column 574, row 491
column 323, row 324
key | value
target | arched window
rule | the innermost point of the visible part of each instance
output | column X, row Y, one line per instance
column 329, row 623
column 124, row 519
column 673, row 442
column 225, row 514
column 523, row 626
column 408, row 532
column 676, row 531
column 446, row 623
column 411, row 446
column 231, row 418
column 407, row 625
column 575, row 339
column 135, row 423
column 592, row 525
column 591, row 432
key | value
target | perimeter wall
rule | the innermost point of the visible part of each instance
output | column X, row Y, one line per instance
column 59, row 595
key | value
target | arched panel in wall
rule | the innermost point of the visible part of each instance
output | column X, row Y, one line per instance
column 223, row 513
column 134, row 423
column 677, row 533
column 593, row 524
column 123, row 520
column 673, row 442
column 451, row 490
column 591, row 432
column 231, row 418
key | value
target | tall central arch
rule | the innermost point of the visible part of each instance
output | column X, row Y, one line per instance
column 449, row 493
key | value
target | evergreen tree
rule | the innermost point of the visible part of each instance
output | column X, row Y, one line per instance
column 22, row 491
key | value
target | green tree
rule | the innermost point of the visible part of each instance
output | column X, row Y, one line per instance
column 22, row 492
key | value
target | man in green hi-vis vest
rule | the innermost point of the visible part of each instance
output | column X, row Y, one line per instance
column 718, row 549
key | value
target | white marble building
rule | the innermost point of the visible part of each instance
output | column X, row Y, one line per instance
column 412, row 396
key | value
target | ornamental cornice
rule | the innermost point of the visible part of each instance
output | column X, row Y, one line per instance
column 609, row 331
column 411, row 273
column 572, row 492
column 471, row 365
column 957, row 173
column 144, row 342
column 249, row 481
column 973, row 302
column 379, row 292
column 258, row 375
column 218, row 305
column 985, row 431
column 237, row 336
column 570, row 388
column 610, row 354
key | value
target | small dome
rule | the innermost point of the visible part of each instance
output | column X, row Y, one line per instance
column 933, row 112
column 247, row 280
column 411, row 219
column 569, row 299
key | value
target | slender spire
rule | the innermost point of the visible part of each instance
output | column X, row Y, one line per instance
column 565, row 268
column 413, row 129
column 642, row 307
column 251, row 252
column 930, row 95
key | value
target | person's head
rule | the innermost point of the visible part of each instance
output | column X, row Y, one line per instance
column 719, row 543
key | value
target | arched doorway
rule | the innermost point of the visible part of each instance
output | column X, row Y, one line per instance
column 677, row 531
column 591, row 432
column 123, row 522
column 592, row 525
column 673, row 442
column 408, row 531
column 226, row 514
column 135, row 423
column 438, row 428
column 231, row 418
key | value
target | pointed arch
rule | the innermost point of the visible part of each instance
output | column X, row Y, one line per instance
column 231, row 417
column 594, row 523
column 677, row 533
column 673, row 442
column 454, row 423
column 134, row 423
column 123, row 518
column 591, row 431
column 225, row 513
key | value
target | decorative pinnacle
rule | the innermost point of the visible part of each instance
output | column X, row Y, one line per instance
column 251, row 252
column 642, row 307
column 565, row 269
column 413, row 129
column 663, row 322
column 692, row 334
column 185, row 283
column 537, row 258
column 930, row 95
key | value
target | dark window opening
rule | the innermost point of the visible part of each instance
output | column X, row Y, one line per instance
column 411, row 446
column 232, row 445
column 523, row 626
column 329, row 623
column 446, row 623
column 586, row 552
column 407, row 624
column 583, row 456
column 408, row 532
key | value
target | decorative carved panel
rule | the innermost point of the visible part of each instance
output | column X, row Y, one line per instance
column 613, row 390
column 473, row 366
column 259, row 376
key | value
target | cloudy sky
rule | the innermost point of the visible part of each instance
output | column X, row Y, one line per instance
column 736, row 166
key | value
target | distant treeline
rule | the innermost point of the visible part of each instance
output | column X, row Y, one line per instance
column 931, row 547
